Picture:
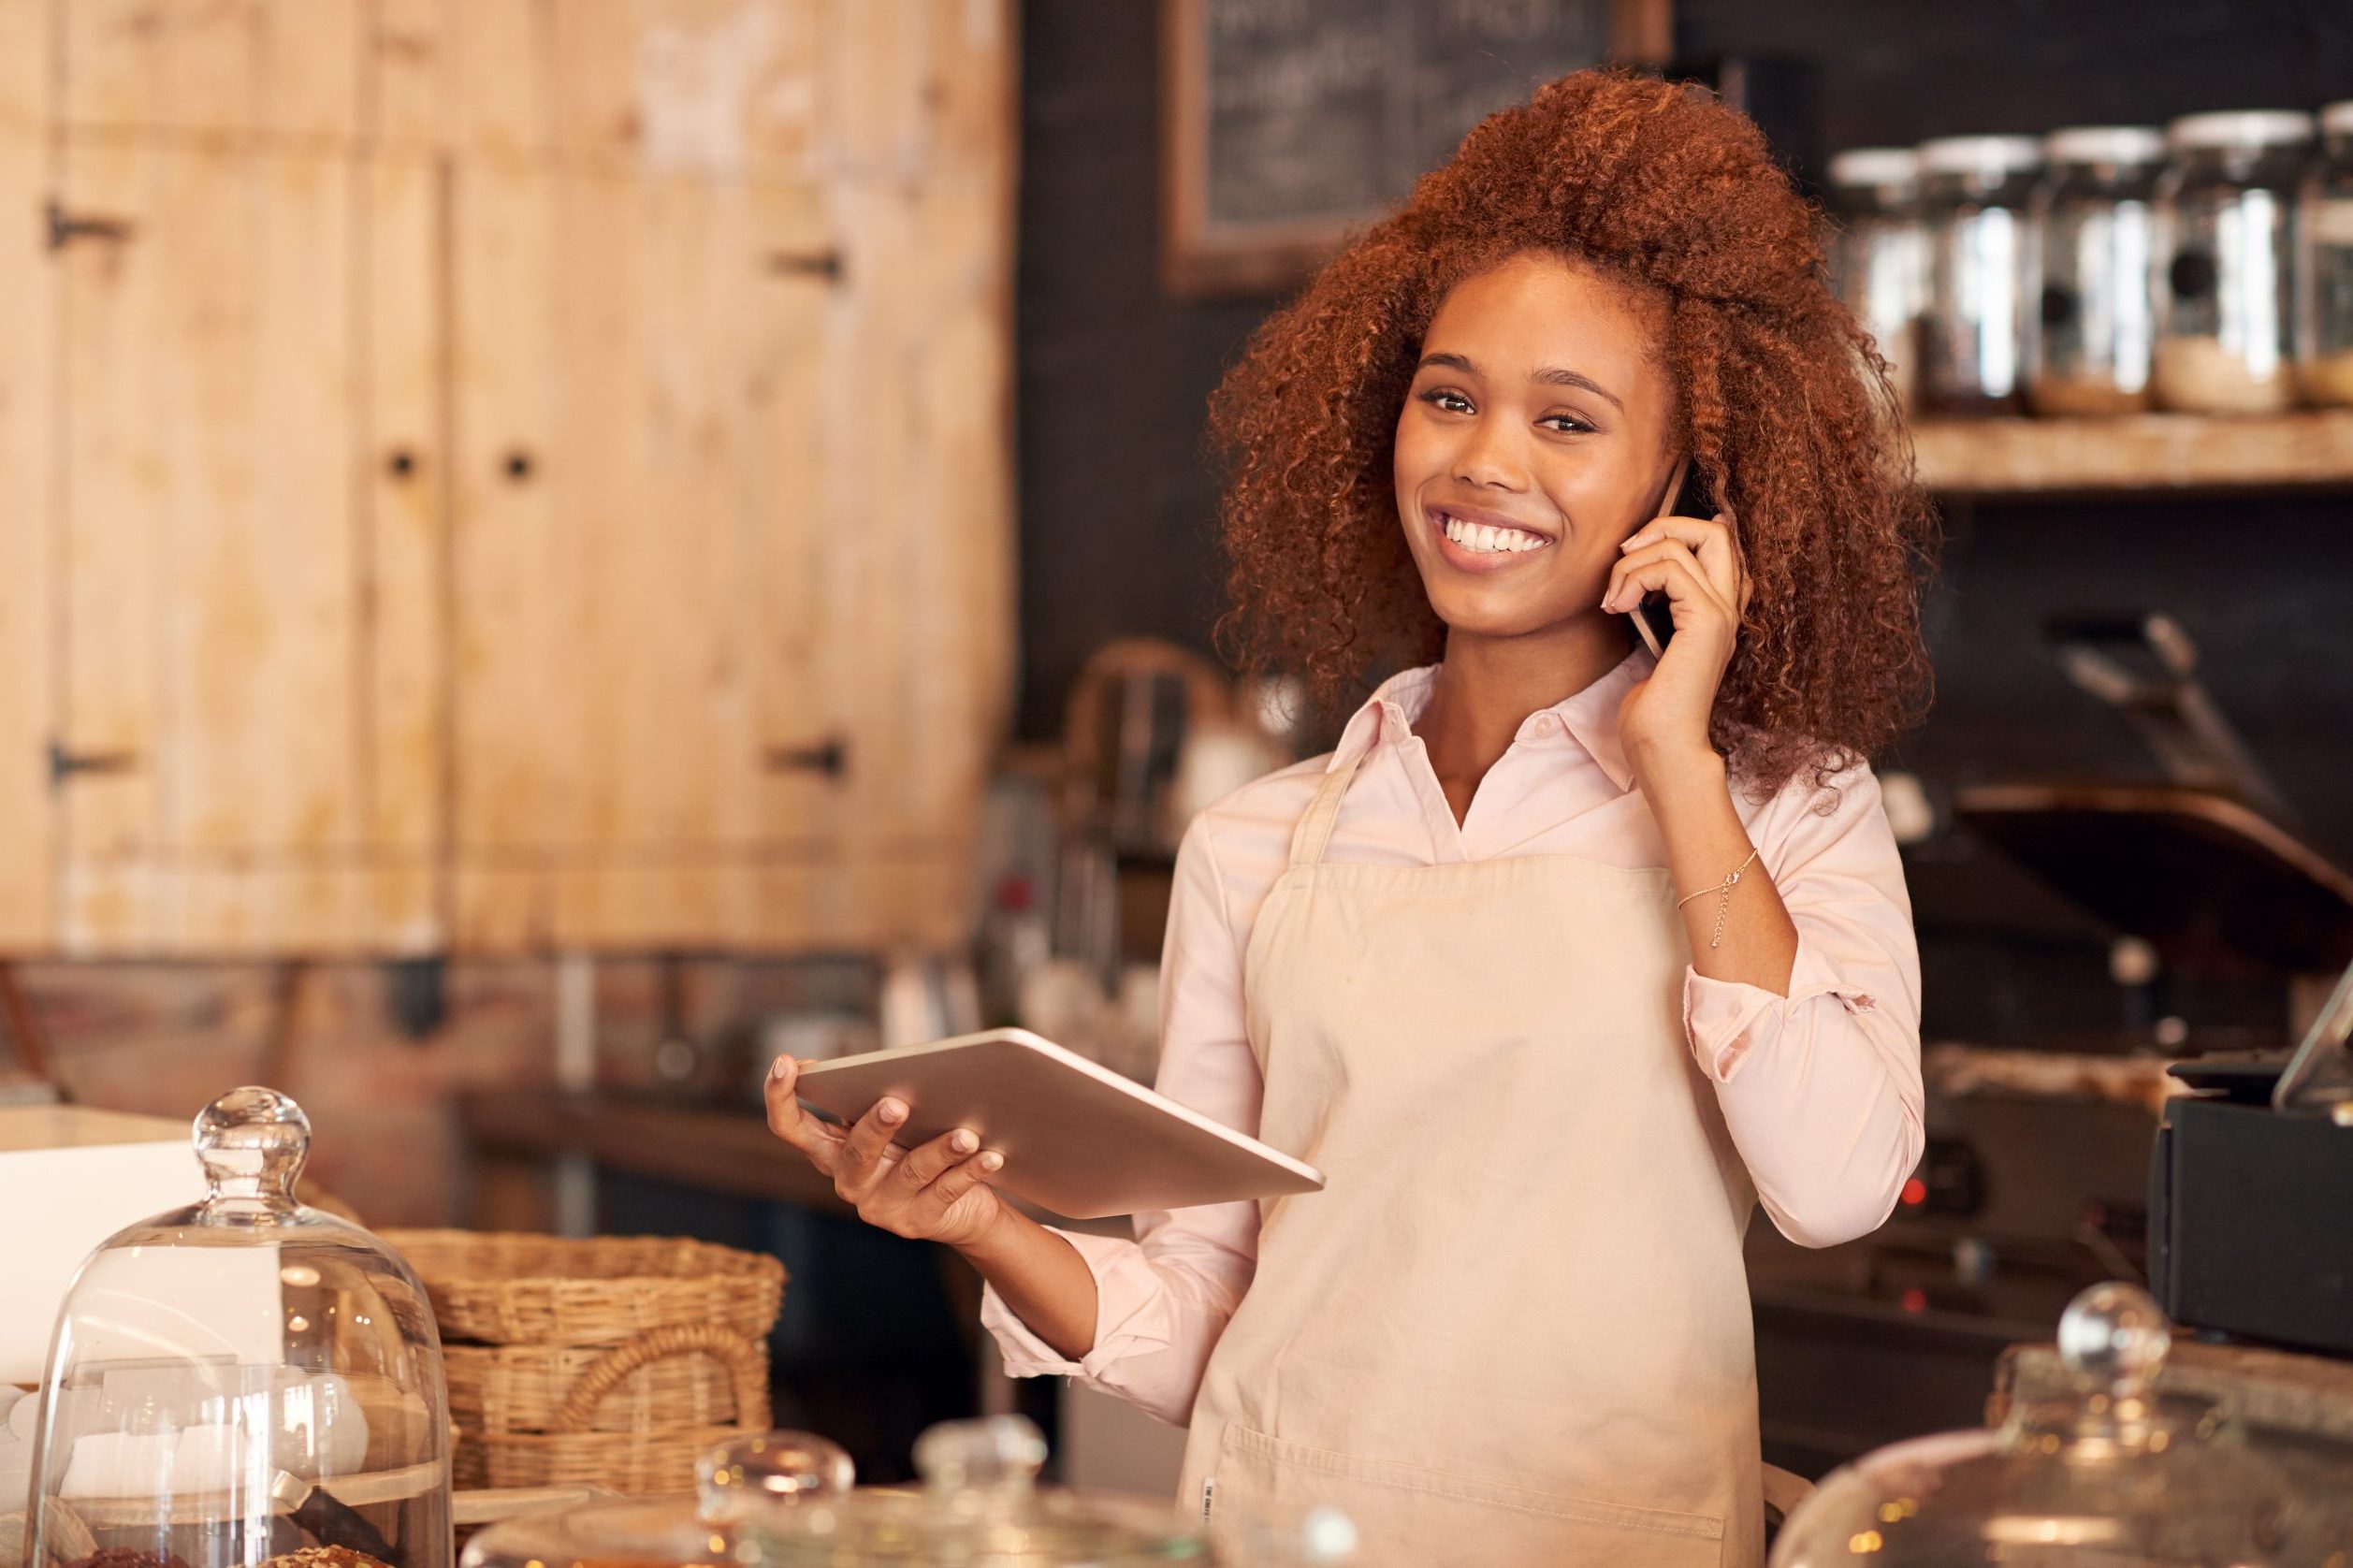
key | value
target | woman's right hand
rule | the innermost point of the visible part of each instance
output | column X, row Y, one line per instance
column 938, row 1192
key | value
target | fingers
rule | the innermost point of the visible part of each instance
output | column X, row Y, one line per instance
column 866, row 1154
column 1666, row 567
column 924, row 1165
column 796, row 1126
column 958, row 1180
column 1710, row 540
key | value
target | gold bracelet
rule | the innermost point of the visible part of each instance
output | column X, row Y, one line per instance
column 1723, row 892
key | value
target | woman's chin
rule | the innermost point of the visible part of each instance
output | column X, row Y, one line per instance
column 1493, row 614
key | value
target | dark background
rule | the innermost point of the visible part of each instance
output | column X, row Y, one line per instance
column 1119, row 496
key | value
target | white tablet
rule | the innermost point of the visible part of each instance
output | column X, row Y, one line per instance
column 1076, row 1138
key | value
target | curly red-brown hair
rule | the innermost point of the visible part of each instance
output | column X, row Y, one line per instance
column 1777, row 391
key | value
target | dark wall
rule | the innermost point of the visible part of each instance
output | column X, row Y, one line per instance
column 1117, row 498
column 1118, row 504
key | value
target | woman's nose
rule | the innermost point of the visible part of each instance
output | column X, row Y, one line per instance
column 1488, row 457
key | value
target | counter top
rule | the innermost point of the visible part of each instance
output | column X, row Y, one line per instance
column 719, row 1151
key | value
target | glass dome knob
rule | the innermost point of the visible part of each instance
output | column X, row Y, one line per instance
column 1002, row 1453
column 2115, row 1336
column 252, row 1143
column 738, row 1480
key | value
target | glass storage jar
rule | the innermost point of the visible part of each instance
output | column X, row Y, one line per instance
column 1973, row 197
column 246, row 1383
column 2226, row 247
column 2324, row 271
column 978, row 1507
column 2107, row 1479
column 2094, row 230
column 1875, row 252
column 737, row 1485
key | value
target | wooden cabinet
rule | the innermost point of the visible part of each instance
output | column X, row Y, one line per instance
column 538, row 479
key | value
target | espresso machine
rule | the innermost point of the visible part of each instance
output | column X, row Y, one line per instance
column 2036, row 1180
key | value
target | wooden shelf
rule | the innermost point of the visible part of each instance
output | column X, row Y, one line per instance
column 2149, row 452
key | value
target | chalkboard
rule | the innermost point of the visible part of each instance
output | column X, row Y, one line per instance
column 1288, row 122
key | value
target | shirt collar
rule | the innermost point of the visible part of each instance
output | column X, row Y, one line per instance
column 1589, row 716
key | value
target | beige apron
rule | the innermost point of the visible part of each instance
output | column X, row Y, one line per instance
column 1513, row 1328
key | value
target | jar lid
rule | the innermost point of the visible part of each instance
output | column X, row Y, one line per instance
column 739, row 1484
column 2336, row 119
column 978, row 1508
column 2245, row 127
column 1980, row 155
column 2105, row 144
column 1875, row 165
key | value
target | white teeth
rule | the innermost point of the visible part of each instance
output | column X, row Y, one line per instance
column 1481, row 539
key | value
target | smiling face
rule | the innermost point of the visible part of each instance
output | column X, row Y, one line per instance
column 1537, row 436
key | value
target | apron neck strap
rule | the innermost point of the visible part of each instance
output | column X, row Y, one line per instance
column 1314, row 829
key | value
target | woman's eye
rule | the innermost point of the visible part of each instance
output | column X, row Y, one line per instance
column 1444, row 397
column 1567, row 423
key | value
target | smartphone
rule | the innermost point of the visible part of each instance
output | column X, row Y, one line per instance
column 1654, row 618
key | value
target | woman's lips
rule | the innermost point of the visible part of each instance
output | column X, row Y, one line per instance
column 1463, row 557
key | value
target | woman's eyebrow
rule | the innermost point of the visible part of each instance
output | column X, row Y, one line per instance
column 1548, row 377
column 1551, row 377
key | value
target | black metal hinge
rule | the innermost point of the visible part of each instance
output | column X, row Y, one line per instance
column 830, row 758
column 807, row 264
column 65, row 227
column 65, row 764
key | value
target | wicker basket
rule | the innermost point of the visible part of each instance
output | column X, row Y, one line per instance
column 520, row 1388
column 510, row 1288
column 656, row 1460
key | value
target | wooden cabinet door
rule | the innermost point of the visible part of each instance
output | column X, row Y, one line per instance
column 636, row 445
column 729, row 564
column 28, row 368
column 222, row 715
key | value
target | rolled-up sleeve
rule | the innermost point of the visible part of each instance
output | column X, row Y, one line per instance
column 1163, row 1299
column 1821, row 1089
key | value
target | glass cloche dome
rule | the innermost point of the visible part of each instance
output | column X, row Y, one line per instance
column 2106, row 1479
column 978, row 1507
column 247, row 1383
column 738, row 1485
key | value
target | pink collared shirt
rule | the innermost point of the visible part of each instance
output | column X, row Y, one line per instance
column 1820, row 1089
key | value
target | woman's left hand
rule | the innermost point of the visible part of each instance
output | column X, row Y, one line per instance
column 1695, row 562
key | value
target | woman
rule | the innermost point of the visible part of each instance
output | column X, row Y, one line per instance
column 1567, row 955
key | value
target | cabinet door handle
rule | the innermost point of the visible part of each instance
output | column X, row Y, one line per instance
column 519, row 465
column 64, row 765
column 65, row 227
column 830, row 757
column 401, row 462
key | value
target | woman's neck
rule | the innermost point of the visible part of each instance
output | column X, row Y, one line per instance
column 1488, row 686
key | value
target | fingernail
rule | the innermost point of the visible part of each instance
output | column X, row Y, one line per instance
column 991, row 1160
column 894, row 1111
column 776, row 1067
column 963, row 1142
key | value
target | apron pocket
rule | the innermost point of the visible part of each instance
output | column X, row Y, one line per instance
column 1410, row 1514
